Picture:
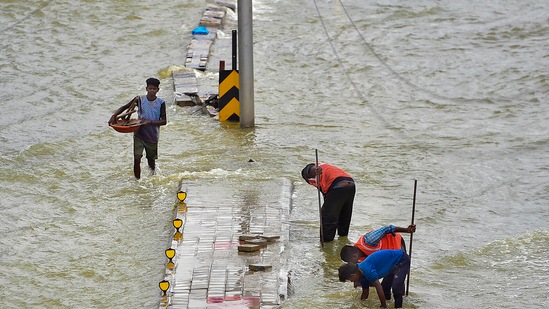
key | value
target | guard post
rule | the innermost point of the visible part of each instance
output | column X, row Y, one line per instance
column 229, row 88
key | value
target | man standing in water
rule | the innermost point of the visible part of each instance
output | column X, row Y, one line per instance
column 152, row 111
column 338, row 189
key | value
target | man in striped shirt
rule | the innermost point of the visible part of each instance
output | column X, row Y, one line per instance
column 384, row 238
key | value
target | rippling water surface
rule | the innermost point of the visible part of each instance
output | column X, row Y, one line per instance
column 451, row 93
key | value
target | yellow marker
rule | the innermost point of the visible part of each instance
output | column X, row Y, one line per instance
column 181, row 196
column 177, row 223
column 229, row 88
column 170, row 253
column 164, row 286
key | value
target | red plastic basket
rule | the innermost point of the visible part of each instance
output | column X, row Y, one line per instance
column 127, row 126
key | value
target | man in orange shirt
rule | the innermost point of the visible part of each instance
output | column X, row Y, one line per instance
column 384, row 238
column 338, row 190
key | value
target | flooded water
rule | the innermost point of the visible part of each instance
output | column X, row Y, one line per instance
column 452, row 94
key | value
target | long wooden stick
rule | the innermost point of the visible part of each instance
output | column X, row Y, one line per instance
column 411, row 237
column 317, row 179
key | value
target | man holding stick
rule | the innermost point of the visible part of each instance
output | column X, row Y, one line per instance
column 384, row 238
column 376, row 266
column 338, row 190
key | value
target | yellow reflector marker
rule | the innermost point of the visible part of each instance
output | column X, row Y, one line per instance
column 164, row 286
column 170, row 253
column 181, row 196
column 177, row 223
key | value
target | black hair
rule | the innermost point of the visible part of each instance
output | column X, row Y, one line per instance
column 305, row 171
column 347, row 252
column 346, row 270
column 153, row 81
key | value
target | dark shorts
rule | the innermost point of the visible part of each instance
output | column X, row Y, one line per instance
column 151, row 149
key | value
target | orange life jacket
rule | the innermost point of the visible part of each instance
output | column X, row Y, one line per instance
column 329, row 174
column 388, row 242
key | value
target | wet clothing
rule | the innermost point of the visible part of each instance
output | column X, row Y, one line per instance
column 331, row 176
column 140, row 145
column 151, row 111
column 384, row 264
column 338, row 190
column 383, row 238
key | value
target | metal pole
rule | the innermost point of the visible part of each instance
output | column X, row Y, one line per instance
column 234, row 50
column 317, row 179
column 411, row 237
column 245, row 58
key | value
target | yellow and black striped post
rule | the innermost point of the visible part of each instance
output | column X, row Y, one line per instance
column 229, row 86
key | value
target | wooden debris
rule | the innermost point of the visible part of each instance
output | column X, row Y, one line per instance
column 257, row 241
column 270, row 238
column 247, row 237
column 248, row 248
column 260, row 267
